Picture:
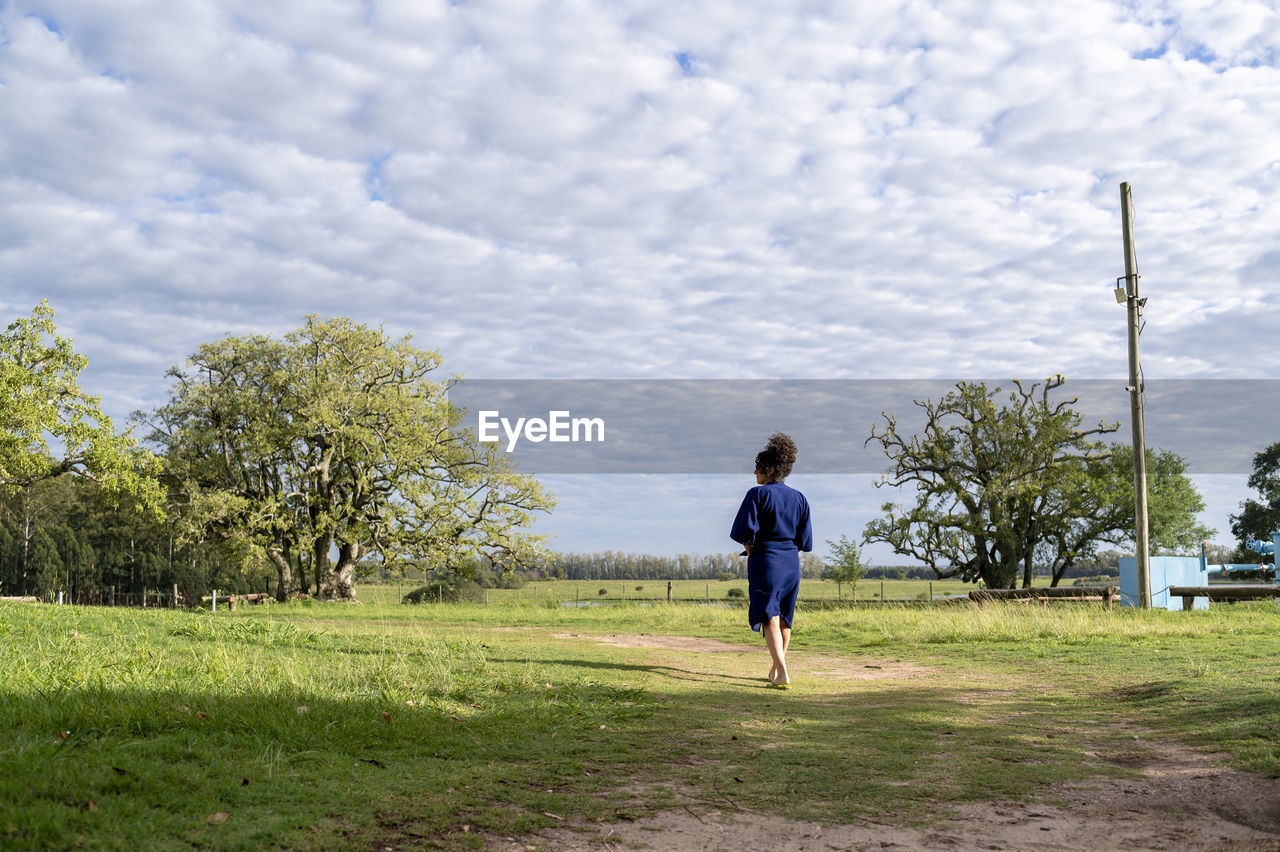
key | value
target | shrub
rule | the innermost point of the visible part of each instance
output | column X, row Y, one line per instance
column 726, row 575
column 1097, row 580
column 444, row 591
column 735, row 593
column 604, row 591
column 639, row 588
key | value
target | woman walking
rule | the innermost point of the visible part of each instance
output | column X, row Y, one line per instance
column 773, row 525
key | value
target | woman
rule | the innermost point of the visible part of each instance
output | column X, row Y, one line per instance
column 773, row 525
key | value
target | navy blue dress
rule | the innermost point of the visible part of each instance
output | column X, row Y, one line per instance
column 774, row 520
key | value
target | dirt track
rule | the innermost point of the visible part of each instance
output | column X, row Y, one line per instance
column 1184, row 800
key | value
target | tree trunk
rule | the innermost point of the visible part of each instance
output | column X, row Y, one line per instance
column 1026, row 571
column 336, row 582
column 284, row 572
column 1000, row 575
column 342, row 582
column 26, row 546
column 299, row 570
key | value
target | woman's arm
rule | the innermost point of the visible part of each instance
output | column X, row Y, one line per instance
column 804, row 532
column 747, row 523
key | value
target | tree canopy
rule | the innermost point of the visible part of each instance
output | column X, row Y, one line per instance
column 333, row 445
column 1260, row 518
column 1000, row 487
column 49, row 426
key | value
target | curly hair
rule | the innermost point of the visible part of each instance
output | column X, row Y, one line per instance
column 777, row 457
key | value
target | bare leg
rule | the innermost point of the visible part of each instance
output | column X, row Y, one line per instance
column 786, row 643
column 773, row 639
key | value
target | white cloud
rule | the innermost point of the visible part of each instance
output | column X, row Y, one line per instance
column 647, row 189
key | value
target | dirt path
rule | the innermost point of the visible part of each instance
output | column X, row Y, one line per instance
column 1184, row 800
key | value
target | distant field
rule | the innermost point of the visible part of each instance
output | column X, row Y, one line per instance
column 617, row 591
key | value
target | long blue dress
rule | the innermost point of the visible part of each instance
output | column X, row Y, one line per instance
column 774, row 520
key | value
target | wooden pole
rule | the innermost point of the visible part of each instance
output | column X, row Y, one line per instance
column 1134, row 307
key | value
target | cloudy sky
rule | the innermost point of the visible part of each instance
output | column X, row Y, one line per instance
column 801, row 190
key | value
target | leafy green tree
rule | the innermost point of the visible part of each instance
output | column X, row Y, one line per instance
column 49, row 426
column 1260, row 518
column 1001, row 486
column 335, row 445
column 845, row 565
column 1093, row 505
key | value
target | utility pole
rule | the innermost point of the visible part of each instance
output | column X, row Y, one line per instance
column 1135, row 388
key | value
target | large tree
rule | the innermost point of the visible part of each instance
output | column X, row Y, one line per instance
column 1092, row 506
column 999, row 487
column 333, row 445
column 49, row 426
column 1260, row 518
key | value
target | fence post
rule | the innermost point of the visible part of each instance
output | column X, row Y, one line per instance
column 214, row 601
column 113, row 595
column 930, row 591
column 708, row 593
column 882, row 591
column 668, row 591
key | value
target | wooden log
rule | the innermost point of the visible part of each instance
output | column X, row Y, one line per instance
column 1226, row 592
column 1074, row 594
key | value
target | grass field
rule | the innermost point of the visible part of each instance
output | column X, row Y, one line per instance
column 312, row 726
column 632, row 591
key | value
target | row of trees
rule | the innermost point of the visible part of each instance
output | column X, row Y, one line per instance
column 610, row 565
column 61, row 534
column 311, row 454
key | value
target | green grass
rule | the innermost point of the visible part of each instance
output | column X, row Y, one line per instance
column 131, row 729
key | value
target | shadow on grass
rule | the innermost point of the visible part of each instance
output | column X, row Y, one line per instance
column 140, row 768
column 673, row 672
